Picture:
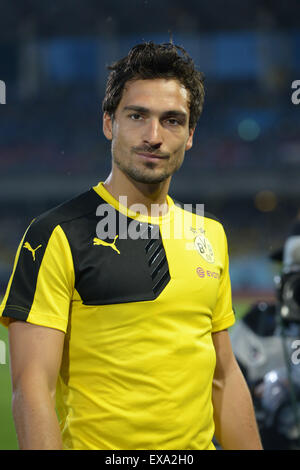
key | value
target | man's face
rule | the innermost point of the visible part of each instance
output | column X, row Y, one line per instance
column 150, row 130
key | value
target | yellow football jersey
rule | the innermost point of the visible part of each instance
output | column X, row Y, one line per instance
column 138, row 299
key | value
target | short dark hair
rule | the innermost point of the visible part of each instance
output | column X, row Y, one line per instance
column 150, row 61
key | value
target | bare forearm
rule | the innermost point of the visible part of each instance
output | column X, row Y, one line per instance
column 36, row 420
column 235, row 423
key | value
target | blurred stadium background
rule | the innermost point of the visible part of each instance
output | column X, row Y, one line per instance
column 245, row 162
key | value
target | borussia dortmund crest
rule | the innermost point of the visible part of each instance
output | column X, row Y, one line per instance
column 204, row 248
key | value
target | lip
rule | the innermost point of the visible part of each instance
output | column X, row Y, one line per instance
column 151, row 156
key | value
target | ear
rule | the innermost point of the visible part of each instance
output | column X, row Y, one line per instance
column 107, row 125
column 189, row 142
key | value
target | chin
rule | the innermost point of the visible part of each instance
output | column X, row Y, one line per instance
column 147, row 174
column 148, row 178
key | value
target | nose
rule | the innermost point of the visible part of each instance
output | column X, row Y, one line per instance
column 152, row 135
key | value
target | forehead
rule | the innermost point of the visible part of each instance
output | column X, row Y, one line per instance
column 160, row 94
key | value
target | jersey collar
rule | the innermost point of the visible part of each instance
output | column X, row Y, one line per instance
column 104, row 194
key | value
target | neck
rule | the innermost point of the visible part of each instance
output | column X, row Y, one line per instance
column 153, row 196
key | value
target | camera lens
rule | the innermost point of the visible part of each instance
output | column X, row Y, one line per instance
column 291, row 297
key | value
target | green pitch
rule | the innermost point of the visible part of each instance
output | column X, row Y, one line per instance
column 8, row 438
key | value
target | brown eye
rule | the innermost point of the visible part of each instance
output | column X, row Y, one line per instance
column 173, row 122
column 135, row 117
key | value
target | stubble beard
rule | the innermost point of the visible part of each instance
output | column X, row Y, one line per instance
column 146, row 174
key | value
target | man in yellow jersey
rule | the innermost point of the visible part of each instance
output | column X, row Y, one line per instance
column 119, row 300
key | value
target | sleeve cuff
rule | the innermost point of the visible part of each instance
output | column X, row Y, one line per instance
column 48, row 321
column 225, row 323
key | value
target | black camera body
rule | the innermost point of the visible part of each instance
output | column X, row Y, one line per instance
column 287, row 285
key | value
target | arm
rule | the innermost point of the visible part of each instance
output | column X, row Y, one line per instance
column 235, row 423
column 35, row 354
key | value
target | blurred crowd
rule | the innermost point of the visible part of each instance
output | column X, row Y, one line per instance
column 71, row 17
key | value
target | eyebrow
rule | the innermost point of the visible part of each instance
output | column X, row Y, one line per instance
column 171, row 112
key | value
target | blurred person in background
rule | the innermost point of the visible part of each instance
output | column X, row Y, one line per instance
column 128, row 335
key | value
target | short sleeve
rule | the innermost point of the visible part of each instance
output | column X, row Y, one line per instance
column 223, row 315
column 41, row 285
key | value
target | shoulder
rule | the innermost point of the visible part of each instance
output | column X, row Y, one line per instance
column 79, row 206
column 198, row 210
column 201, row 222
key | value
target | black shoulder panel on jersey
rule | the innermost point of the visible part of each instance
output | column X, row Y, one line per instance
column 193, row 208
column 129, row 265
column 22, row 289
column 125, row 262
column 83, row 204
